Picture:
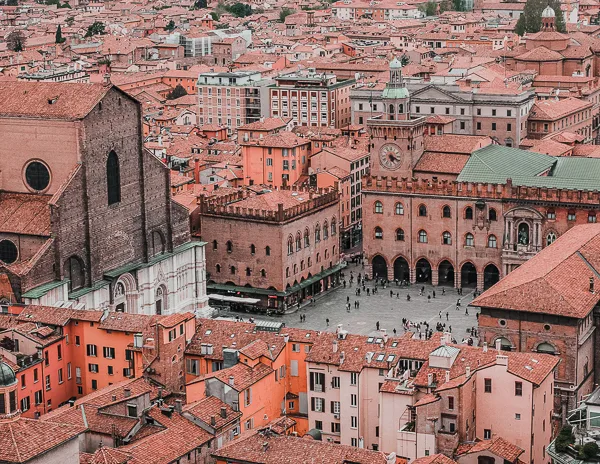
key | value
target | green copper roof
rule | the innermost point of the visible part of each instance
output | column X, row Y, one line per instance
column 395, row 92
column 496, row 163
column 41, row 290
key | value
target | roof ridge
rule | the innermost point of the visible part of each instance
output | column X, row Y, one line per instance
column 12, row 435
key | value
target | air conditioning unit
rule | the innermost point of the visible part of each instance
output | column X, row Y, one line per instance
column 336, row 416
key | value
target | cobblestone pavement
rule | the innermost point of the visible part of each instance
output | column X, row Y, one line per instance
column 389, row 311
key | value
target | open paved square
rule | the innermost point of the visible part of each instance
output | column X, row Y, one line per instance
column 389, row 311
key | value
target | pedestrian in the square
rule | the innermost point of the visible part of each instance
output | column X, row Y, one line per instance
column 391, row 294
column 428, row 298
column 466, row 310
column 368, row 290
column 327, row 322
column 434, row 293
column 447, row 315
column 377, row 325
column 440, row 314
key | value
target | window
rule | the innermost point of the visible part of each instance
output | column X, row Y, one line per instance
column 378, row 233
column 215, row 244
column 468, row 212
column 462, row 125
column 335, row 382
column 378, row 207
column 591, row 217
column 422, row 211
column 353, row 400
column 451, row 402
column 132, row 410
column 91, row 350
column 353, row 422
column 317, row 382
column 399, row 209
column 517, row 416
column 218, row 268
column 74, row 273
column 353, row 378
column 25, row 404
column 60, row 376
column 551, row 214
column 319, row 425
column 422, row 236
column 38, row 397
column 113, row 178
column 94, row 384
column 446, row 213
column 509, row 127
column 248, row 396
column 400, row 235
column 487, row 434
column 317, row 404
column 317, row 233
column 229, row 246
column 8, row 252
column 492, row 215
column 193, row 366
column 478, row 126
column 492, row 242
column 268, row 251
column 335, row 427
column 487, row 385
column 550, row 238
column 232, row 270
column 354, row 441
column 493, row 126
column 93, row 368
column 518, row 388
column 48, row 386
column 446, row 238
column 108, row 352
column 252, row 249
column 295, row 348
column 493, row 112
column 37, row 176
column 35, row 376
column 69, row 371
column 571, row 215
column 469, row 240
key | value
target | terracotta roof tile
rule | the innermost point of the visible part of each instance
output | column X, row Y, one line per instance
column 497, row 445
column 212, row 406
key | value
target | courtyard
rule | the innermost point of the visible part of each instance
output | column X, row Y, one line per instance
column 380, row 307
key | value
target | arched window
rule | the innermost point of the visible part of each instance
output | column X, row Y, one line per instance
column 8, row 252
column 309, row 261
column 469, row 240
column 232, row 269
column 317, row 233
column 333, row 226
column 290, row 245
column 252, row 249
column 287, row 271
column 263, row 273
column 302, row 265
column 158, row 243
column 306, row 238
column 422, row 236
column 295, row 269
column 229, row 246
column 447, row 238
column 422, row 210
column 492, row 242
column 75, row 273
column 378, row 207
column 400, row 235
column 378, row 233
column 248, row 272
column 401, row 108
column 546, row 347
column 326, row 253
column 298, row 242
column 113, row 178
column 318, row 257
column 446, row 211
column 492, row 215
column 468, row 212
column 333, row 250
column 399, row 209
column 550, row 238
column 215, row 244
column 218, row 268
column 325, row 231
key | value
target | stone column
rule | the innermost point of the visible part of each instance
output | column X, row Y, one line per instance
column 435, row 277
column 413, row 275
column 480, row 281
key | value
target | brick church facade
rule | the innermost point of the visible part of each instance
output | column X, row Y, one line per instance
column 455, row 210
column 86, row 218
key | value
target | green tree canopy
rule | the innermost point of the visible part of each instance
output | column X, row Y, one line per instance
column 284, row 13
column 430, row 8
column 15, row 41
column 171, row 26
column 97, row 28
column 531, row 19
column 177, row 92
column 239, row 10
column 58, row 37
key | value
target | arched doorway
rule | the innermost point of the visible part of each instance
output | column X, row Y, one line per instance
column 505, row 343
column 468, row 275
column 401, row 271
column 491, row 275
column 379, row 267
column 446, row 273
column 160, row 301
column 423, row 271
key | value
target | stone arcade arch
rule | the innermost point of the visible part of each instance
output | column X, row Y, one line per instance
column 468, row 275
column 423, row 271
column 446, row 273
column 379, row 266
column 401, row 269
column 491, row 275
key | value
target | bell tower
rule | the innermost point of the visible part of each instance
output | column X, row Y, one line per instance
column 396, row 138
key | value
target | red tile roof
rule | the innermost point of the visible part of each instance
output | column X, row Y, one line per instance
column 211, row 406
column 497, row 445
column 26, row 214
column 434, row 459
column 556, row 280
column 49, row 100
column 443, row 163
column 243, row 375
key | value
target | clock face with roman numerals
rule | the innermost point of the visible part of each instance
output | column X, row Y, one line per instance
column 389, row 156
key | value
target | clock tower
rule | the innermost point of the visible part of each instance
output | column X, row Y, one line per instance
column 396, row 138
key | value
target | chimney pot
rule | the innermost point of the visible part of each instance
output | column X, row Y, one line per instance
column 231, row 380
column 127, row 392
column 223, row 412
column 591, row 285
column 178, row 406
column 213, row 420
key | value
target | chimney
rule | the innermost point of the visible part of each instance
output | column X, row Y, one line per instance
column 335, row 346
column 485, row 347
column 429, row 379
column 178, row 406
column 467, row 372
column 106, row 79
column 213, row 420
column 342, row 357
column 126, row 392
column 223, row 412
column 502, row 360
column 498, row 345
column 591, row 285
column 369, row 357
column 160, row 393
column 447, row 376
column 231, row 380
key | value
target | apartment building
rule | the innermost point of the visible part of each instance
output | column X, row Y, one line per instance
column 232, row 98
column 311, row 98
column 554, row 116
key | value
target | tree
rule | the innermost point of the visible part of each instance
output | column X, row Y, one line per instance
column 215, row 16
column 284, row 13
column 531, row 19
column 59, row 38
column 404, row 60
column 430, row 8
column 200, row 4
column 564, row 439
column 458, row 5
column 70, row 20
column 588, row 451
column 12, row 2
column 177, row 92
column 171, row 26
column 15, row 41
column 239, row 10
column 97, row 28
